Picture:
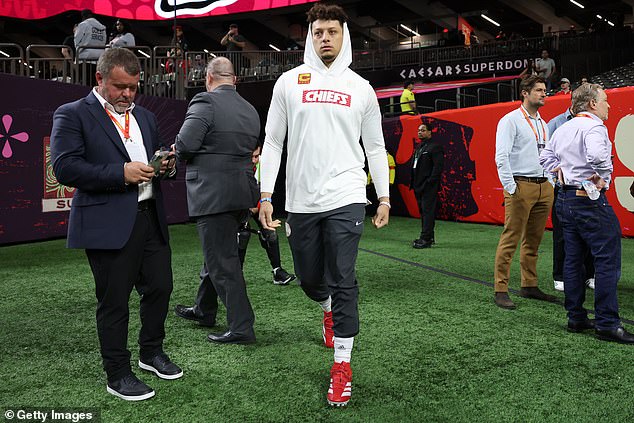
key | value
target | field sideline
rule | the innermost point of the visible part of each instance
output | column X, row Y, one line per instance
column 433, row 347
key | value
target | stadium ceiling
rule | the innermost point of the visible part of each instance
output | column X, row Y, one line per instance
column 373, row 23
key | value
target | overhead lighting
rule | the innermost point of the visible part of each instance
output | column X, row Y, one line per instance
column 212, row 55
column 410, row 30
column 141, row 52
column 4, row 54
column 599, row 16
column 273, row 47
column 206, row 51
column 609, row 23
column 576, row 3
column 489, row 19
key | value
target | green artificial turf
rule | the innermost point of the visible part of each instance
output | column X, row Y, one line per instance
column 432, row 348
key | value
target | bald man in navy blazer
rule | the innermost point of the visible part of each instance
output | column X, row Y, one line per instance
column 101, row 145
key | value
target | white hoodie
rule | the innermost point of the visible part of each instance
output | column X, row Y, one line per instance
column 90, row 33
column 325, row 110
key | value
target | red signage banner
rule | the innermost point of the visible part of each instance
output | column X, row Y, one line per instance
column 149, row 10
column 470, row 189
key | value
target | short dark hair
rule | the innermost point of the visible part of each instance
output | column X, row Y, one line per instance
column 326, row 12
column 85, row 14
column 121, row 57
column 428, row 125
column 233, row 26
column 528, row 83
column 407, row 83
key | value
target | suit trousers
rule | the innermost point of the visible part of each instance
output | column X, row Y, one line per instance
column 591, row 224
column 559, row 253
column 427, row 200
column 145, row 263
column 219, row 236
column 525, row 215
column 325, row 247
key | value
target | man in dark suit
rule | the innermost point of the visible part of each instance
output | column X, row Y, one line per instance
column 217, row 139
column 101, row 145
column 429, row 158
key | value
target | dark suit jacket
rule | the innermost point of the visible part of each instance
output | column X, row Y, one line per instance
column 431, row 158
column 220, row 132
column 87, row 153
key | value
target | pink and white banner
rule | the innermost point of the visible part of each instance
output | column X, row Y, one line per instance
column 148, row 10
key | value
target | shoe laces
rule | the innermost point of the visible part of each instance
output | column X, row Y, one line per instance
column 341, row 374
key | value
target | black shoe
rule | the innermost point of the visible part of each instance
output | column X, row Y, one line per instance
column 282, row 277
column 580, row 326
column 162, row 366
column 130, row 388
column 230, row 338
column 419, row 243
column 617, row 335
column 189, row 313
column 535, row 293
column 503, row 300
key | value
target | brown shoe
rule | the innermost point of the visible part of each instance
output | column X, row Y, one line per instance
column 502, row 300
column 536, row 294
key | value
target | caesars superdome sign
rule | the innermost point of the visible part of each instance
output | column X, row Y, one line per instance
column 139, row 9
column 502, row 66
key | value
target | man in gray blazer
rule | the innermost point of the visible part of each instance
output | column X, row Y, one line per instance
column 219, row 134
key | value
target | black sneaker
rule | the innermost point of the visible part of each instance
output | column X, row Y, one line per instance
column 130, row 388
column 282, row 277
column 162, row 366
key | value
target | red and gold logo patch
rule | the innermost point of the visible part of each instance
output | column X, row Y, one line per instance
column 303, row 78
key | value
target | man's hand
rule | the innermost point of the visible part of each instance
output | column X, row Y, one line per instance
column 168, row 164
column 598, row 181
column 266, row 216
column 137, row 172
column 382, row 216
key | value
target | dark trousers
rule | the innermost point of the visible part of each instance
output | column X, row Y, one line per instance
column 590, row 224
column 325, row 247
column 427, row 199
column 218, row 234
column 144, row 263
column 268, row 241
column 559, row 253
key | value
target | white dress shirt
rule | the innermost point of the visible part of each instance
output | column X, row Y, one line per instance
column 517, row 147
column 134, row 146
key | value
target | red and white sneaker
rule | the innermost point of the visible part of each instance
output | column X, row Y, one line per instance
column 327, row 332
column 340, row 389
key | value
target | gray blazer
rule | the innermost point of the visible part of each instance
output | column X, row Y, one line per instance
column 220, row 132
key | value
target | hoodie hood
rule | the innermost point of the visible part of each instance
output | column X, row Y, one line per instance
column 339, row 65
column 95, row 23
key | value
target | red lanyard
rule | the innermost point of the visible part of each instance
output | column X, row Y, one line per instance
column 126, row 130
column 581, row 115
column 533, row 128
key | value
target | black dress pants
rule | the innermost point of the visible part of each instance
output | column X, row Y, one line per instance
column 427, row 199
column 145, row 264
column 219, row 236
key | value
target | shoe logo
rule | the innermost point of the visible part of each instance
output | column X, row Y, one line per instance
column 358, row 223
column 341, row 347
column 169, row 8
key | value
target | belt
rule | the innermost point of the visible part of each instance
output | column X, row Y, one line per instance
column 145, row 205
column 535, row 180
column 571, row 187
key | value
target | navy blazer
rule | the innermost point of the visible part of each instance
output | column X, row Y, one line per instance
column 87, row 153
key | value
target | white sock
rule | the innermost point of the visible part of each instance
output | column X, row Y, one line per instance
column 326, row 305
column 343, row 349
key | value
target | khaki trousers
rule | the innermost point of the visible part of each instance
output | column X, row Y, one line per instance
column 525, row 215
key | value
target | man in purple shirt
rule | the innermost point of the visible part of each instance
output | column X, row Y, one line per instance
column 580, row 150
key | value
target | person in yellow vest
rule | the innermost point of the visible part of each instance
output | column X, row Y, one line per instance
column 408, row 101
